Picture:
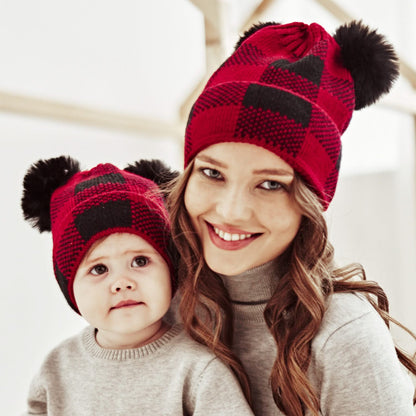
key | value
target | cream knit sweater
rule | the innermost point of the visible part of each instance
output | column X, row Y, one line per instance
column 170, row 376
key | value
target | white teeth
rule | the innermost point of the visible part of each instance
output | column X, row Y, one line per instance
column 231, row 237
column 227, row 236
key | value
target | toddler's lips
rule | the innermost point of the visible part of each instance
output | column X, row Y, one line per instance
column 126, row 303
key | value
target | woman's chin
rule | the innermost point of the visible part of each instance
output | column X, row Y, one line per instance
column 228, row 268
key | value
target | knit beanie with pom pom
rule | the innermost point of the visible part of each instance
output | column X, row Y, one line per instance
column 292, row 89
column 80, row 207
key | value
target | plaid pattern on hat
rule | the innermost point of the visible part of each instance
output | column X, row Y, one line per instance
column 97, row 203
column 284, row 89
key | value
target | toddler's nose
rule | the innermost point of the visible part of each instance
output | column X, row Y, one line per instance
column 122, row 284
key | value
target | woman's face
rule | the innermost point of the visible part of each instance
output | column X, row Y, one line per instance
column 238, row 199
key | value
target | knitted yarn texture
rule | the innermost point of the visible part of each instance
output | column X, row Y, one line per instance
column 286, row 89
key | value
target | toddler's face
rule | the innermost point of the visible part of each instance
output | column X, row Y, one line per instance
column 122, row 287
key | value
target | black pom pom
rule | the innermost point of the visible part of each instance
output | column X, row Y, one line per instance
column 371, row 60
column 253, row 29
column 39, row 183
column 155, row 170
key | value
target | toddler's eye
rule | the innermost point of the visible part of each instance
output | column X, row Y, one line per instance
column 99, row 269
column 271, row 185
column 211, row 173
column 140, row 261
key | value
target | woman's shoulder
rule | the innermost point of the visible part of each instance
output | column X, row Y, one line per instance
column 348, row 314
column 354, row 347
column 346, row 307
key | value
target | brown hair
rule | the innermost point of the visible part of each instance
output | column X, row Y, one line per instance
column 294, row 313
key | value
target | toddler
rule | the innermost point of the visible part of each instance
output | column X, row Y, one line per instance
column 111, row 258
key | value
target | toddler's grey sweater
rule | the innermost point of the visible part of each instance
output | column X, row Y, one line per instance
column 170, row 376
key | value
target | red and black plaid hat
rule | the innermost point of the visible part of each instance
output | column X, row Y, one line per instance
column 291, row 89
column 83, row 207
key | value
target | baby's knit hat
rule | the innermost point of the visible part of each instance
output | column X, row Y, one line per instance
column 82, row 207
column 291, row 89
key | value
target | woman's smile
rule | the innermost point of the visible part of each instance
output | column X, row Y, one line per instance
column 229, row 240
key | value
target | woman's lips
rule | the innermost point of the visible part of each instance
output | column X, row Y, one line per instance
column 126, row 304
column 227, row 238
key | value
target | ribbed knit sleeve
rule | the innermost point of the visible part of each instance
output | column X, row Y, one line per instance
column 37, row 401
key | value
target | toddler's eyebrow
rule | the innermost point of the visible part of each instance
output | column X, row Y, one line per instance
column 91, row 260
column 142, row 251
column 137, row 252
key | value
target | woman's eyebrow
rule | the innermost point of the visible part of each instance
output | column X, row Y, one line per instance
column 209, row 159
column 278, row 172
column 267, row 171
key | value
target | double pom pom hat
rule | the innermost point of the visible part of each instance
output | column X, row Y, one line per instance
column 80, row 207
column 292, row 89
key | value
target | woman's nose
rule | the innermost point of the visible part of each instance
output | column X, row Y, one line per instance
column 123, row 284
column 234, row 205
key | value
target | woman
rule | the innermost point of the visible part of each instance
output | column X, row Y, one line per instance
column 258, row 281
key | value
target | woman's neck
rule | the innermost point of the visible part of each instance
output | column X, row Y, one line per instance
column 254, row 285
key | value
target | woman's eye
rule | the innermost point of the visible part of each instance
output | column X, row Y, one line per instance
column 140, row 261
column 271, row 185
column 211, row 173
column 99, row 269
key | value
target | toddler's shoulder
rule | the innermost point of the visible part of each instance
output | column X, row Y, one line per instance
column 65, row 351
column 193, row 350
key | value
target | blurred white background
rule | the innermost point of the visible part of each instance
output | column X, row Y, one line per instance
column 142, row 59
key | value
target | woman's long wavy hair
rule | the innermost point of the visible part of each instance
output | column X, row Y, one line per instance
column 307, row 276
